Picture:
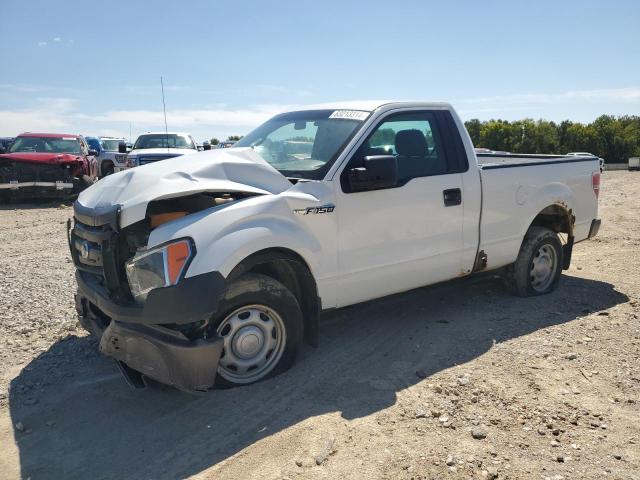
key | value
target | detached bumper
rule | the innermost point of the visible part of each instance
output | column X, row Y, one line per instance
column 163, row 355
column 134, row 335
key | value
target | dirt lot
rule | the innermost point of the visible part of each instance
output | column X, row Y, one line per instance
column 455, row 381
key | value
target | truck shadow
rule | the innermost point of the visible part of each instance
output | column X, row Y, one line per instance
column 79, row 419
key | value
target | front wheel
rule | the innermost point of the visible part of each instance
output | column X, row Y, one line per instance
column 537, row 269
column 260, row 323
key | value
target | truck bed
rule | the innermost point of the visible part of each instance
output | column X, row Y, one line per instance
column 505, row 160
column 512, row 197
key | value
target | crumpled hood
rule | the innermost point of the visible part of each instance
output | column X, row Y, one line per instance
column 39, row 157
column 223, row 170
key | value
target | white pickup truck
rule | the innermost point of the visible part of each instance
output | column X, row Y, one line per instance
column 155, row 146
column 213, row 267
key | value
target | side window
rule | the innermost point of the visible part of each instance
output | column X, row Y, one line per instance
column 414, row 139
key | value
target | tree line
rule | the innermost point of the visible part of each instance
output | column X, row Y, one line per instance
column 613, row 138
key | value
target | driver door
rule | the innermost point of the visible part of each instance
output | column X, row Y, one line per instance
column 397, row 238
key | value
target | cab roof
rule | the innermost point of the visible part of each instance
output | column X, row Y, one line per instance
column 371, row 105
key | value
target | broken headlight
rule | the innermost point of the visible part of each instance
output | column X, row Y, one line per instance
column 158, row 267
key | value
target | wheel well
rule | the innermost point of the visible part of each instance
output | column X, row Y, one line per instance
column 292, row 271
column 556, row 218
column 560, row 220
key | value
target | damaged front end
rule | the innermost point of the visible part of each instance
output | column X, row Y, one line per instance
column 23, row 179
column 161, row 333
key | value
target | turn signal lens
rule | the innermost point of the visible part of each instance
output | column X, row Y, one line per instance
column 158, row 267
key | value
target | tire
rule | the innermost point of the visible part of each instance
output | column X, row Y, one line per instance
column 106, row 169
column 538, row 267
column 253, row 306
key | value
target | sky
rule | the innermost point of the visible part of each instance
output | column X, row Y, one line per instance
column 94, row 67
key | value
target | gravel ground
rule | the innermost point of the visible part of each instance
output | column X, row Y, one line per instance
column 459, row 380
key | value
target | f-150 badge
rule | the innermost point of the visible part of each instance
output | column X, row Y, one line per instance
column 321, row 209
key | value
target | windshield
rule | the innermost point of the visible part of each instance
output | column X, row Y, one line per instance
column 304, row 144
column 110, row 145
column 161, row 140
column 46, row 145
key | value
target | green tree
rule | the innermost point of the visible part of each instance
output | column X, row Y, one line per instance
column 234, row 138
column 214, row 141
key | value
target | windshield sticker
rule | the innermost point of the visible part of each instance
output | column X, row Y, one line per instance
column 350, row 115
column 68, row 138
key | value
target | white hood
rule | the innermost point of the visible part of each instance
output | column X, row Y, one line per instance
column 220, row 170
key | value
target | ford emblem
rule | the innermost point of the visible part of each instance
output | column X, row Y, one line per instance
column 85, row 249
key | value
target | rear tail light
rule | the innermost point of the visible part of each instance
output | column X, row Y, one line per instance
column 595, row 183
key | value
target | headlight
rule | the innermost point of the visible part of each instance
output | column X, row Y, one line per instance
column 158, row 267
column 131, row 161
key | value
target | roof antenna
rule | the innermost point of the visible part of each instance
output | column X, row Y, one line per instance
column 164, row 108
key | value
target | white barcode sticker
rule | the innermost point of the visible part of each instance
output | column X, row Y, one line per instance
column 350, row 115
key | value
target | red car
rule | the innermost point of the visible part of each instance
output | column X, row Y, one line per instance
column 47, row 165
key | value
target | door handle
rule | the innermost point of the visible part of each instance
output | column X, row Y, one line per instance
column 452, row 197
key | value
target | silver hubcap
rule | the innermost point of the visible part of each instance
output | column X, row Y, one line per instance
column 543, row 268
column 254, row 339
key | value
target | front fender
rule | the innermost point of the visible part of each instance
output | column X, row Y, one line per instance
column 226, row 235
column 245, row 239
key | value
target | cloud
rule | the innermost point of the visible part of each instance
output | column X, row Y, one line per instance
column 57, row 39
column 47, row 116
column 42, row 44
column 580, row 105
column 615, row 94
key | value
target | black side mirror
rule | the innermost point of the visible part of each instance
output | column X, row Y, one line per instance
column 122, row 147
column 93, row 153
column 378, row 171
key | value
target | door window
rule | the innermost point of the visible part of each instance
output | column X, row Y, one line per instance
column 413, row 138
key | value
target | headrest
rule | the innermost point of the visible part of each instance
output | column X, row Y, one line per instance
column 411, row 143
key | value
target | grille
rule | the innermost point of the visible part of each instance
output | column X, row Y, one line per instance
column 100, row 249
column 144, row 159
column 33, row 172
column 100, row 253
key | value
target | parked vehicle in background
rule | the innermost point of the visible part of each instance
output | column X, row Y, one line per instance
column 214, row 267
column 109, row 159
column 587, row 154
column 47, row 164
column 226, row 144
column 634, row 163
column 154, row 146
column 5, row 143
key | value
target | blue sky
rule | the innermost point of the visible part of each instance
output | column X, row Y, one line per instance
column 94, row 67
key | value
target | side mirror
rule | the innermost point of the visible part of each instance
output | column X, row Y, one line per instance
column 122, row 147
column 378, row 171
column 93, row 153
column 206, row 146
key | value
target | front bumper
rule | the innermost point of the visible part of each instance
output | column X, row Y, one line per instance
column 15, row 185
column 162, row 354
column 134, row 335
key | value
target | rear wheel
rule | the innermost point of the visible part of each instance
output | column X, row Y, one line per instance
column 538, row 267
column 260, row 323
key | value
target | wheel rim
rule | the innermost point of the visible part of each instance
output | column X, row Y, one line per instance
column 254, row 338
column 543, row 268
